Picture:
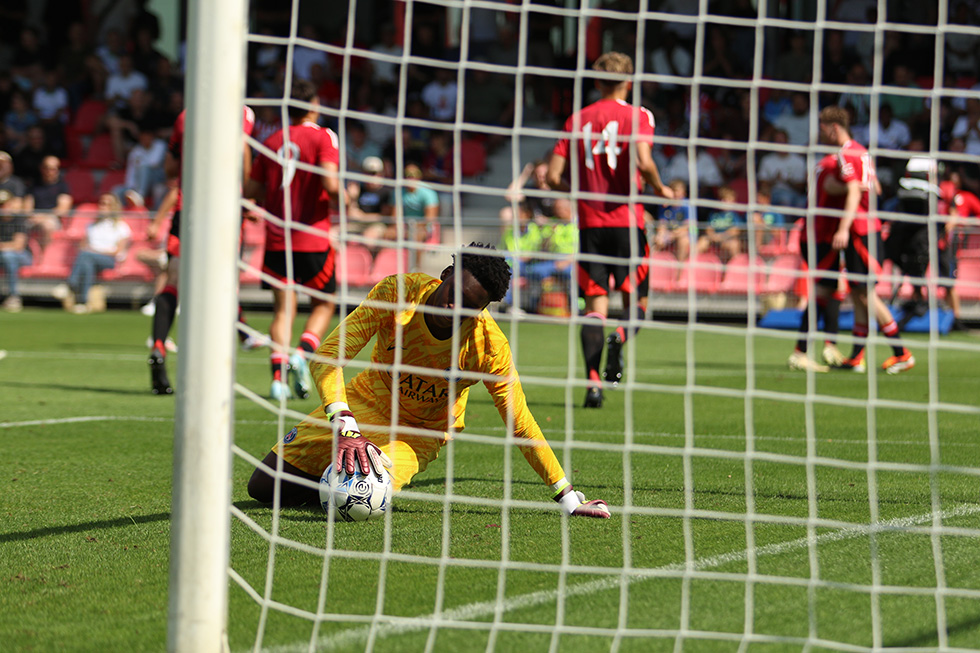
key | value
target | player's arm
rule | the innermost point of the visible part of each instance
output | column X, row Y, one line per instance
column 556, row 172
column 349, row 338
column 508, row 397
column 246, row 164
column 648, row 170
column 171, row 166
column 166, row 207
column 854, row 191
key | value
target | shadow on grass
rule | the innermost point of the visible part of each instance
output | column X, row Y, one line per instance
column 929, row 639
column 98, row 525
column 114, row 390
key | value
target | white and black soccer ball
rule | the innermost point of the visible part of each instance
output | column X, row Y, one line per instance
column 355, row 497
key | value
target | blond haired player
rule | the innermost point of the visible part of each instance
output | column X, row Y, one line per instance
column 412, row 315
column 602, row 136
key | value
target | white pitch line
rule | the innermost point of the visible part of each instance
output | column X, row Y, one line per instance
column 488, row 608
column 110, row 418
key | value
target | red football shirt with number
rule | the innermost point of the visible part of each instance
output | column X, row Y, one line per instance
column 602, row 133
column 851, row 163
column 310, row 144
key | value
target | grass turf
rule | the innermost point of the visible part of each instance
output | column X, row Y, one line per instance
column 84, row 545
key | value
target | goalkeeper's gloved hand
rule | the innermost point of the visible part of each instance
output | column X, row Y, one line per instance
column 573, row 503
column 353, row 449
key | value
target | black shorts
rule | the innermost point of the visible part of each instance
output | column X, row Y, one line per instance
column 857, row 261
column 593, row 276
column 311, row 269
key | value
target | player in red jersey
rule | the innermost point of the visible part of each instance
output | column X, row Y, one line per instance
column 312, row 258
column 962, row 206
column 603, row 135
column 843, row 225
column 165, row 303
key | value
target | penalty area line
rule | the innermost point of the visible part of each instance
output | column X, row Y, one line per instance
column 487, row 608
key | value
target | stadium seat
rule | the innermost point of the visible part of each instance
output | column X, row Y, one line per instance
column 138, row 223
column 100, row 153
column 54, row 262
column 131, row 268
column 73, row 227
column 472, row 157
column 663, row 271
column 968, row 278
column 777, row 244
column 81, row 184
column 253, row 233
column 355, row 269
column 794, row 238
column 740, row 273
column 703, row 271
column 87, row 117
column 111, row 179
column 253, row 258
column 783, row 273
column 388, row 261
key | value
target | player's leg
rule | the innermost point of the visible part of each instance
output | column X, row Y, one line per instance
column 634, row 283
column 316, row 271
column 593, row 281
column 262, row 484
column 164, row 313
column 317, row 323
column 280, row 332
column 828, row 260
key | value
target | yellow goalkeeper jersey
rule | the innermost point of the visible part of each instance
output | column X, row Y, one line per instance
column 426, row 367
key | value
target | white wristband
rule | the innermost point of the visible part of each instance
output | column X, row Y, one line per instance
column 336, row 406
column 570, row 502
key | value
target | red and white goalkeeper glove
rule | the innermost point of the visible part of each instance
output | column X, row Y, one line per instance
column 353, row 449
column 573, row 502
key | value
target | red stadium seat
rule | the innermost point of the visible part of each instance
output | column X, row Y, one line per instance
column 355, row 269
column 54, row 262
column 703, row 271
column 388, row 261
column 253, row 233
column 111, row 179
column 100, row 153
column 254, row 259
column 87, row 117
column 663, row 271
column 795, row 237
column 81, row 184
column 968, row 278
column 742, row 275
column 131, row 268
column 472, row 157
column 783, row 273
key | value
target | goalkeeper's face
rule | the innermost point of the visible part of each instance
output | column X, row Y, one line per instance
column 471, row 296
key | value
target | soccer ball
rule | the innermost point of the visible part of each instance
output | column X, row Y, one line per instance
column 355, row 497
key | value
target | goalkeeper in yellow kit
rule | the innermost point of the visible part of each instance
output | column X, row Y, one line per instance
column 412, row 316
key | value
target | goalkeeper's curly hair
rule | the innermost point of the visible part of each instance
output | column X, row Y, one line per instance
column 492, row 272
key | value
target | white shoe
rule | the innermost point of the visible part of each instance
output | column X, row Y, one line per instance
column 80, row 309
column 799, row 361
column 832, row 355
column 149, row 309
column 279, row 390
column 61, row 291
column 299, row 371
column 12, row 304
column 254, row 342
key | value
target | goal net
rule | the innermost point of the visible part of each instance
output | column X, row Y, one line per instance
column 753, row 505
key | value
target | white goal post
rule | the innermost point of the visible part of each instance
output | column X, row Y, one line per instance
column 212, row 174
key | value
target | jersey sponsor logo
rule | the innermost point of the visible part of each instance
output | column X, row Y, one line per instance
column 421, row 389
column 290, row 436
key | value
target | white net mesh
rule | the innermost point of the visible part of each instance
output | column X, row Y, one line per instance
column 752, row 505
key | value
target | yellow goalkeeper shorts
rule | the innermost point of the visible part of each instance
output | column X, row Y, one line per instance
column 309, row 446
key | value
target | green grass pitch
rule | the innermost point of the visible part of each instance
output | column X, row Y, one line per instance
column 701, row 441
